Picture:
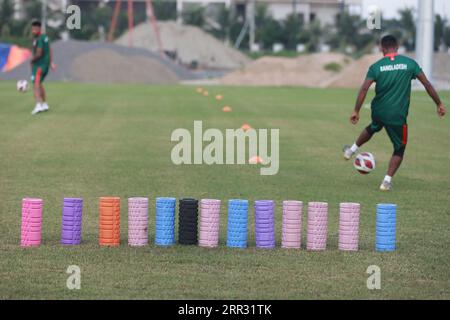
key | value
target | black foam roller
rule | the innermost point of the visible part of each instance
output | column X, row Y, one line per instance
column 188, row 221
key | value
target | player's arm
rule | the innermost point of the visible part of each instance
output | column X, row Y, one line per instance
column 37, row 55
column 354, row 118
column 52, row 64
column 432, row 93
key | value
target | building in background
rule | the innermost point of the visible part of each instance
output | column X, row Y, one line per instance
column 19, row 9
column 326, row 11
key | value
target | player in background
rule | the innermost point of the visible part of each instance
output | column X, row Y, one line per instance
column 393, row 75
column 41, row 62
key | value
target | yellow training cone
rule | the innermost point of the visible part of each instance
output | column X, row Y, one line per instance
column 205, row 93
column 199, row 90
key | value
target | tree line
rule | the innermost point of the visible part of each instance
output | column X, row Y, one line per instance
column 348, row 33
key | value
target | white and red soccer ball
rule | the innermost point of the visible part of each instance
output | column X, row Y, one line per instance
column 364, row 163
column 22, row 85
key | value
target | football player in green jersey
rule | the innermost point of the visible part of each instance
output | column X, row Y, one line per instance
column 41, row 62
column 393, row 75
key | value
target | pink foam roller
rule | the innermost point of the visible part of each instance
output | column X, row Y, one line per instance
column 31, row 227
column 291, row 245
column 316, row 238
column 137, row 221
column 292, row 224
column 349, row 226
column 209, row 223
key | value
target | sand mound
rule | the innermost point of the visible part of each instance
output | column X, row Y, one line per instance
column 305, row 70
column 108, row 66
column 355, row 73
column 107, row 63
column 191, row 44
column 308, row 71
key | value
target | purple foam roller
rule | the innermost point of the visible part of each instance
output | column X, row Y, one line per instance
column 72, row 217
column 265, row 224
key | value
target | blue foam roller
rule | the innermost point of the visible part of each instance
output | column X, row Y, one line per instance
column 165, row 221
column 385, row 237
column 382, row 247
column 237, row 227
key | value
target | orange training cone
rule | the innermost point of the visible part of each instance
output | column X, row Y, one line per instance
column 255, row 160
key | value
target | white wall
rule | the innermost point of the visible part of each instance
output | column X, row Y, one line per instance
column 325, row 13
column 281, row 10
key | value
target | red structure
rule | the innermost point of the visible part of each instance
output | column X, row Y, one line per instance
column 150, row 14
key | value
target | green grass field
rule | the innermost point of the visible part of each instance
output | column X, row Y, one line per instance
column 115, row 140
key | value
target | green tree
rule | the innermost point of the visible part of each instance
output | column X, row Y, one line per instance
column 6, row 13
column 447, row 36
column 225, row 19
column 271, row 33
column 33, row 9
column 268, row 30
column 291, row 31
column 347, row 29
column 315, row 31
column 195, row 16
column 165, row 10
column 439, row 28
column 408, row 28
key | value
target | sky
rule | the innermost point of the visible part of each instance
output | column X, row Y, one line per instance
column 390, row 7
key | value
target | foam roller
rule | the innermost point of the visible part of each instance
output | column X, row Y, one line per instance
column 237, row 223
column 137, row 221
column 349, row 226
column 72, row 217
column 265, row 224
column 188, row 222
column 316, row 238
column 209, row 224
column 385, row 238
column 109, row 226
column 31, row 227
column 165, row 221
column 292, row 224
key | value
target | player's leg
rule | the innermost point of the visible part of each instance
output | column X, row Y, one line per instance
column 44, row 98
column 43, row 93
column 365, row 136
column 36, row 78
column 399, row 138
column 394, row 164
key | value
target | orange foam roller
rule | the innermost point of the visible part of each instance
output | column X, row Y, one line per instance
column 109, row 221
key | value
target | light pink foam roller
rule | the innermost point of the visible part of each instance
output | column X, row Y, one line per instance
column 292, row 224
column 137, row 222
column 316, row 238
column 349, row 226
column 209, row 221
column 31, row 227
